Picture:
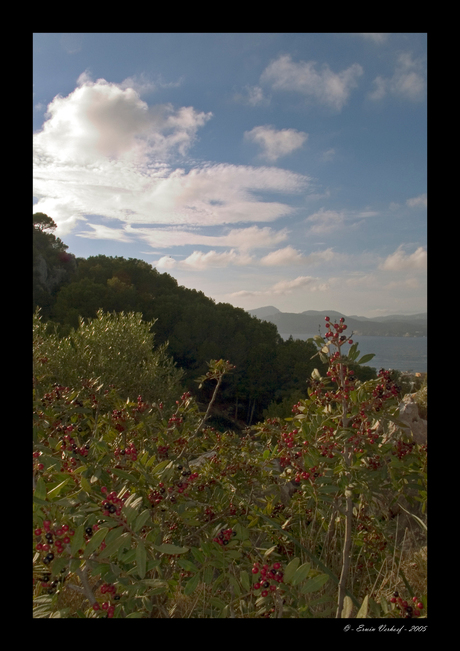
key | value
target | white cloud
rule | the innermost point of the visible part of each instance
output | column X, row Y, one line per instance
column 104, row 151
column 401, row 261
column 418, row 202
column 408, row 80
column 325, row 221
column 325, row 87
column 282, row 287
column 290, row 256
column 100, row 120
column 252, row 95
column 199, row 260
column 276, row 143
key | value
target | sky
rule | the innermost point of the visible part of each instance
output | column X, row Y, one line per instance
column 284, row 169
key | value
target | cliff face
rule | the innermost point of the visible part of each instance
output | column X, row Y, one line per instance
column 48, row 277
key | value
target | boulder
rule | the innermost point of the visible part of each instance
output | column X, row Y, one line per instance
column 411, row 424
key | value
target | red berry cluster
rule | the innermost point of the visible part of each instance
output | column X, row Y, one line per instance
column 373, row 542
column 52, row 537
column 57, row 393
column 175, row 419
column 112, row 504
column 407, row 611
column 162, row 452
column 129, row 452
column 107, row 606
column 209, row 514
column 403, row 448
column 51, row 585
column 338, row 328
column 224, row 535
column 269, row 577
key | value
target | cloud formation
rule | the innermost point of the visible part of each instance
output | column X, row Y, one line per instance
column 104, row 151
column 408, row 80
column 323, row 86
column 276, row 143
column 401, row 261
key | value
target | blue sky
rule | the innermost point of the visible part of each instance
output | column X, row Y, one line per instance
column 262, row 169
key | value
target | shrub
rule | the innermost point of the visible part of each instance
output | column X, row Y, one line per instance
column 117, row 349
column 142, row 510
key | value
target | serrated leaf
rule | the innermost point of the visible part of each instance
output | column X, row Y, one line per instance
column 290, row 569
column 141, row 559
column 315, row 583
column 301, row 573
column 95, row 541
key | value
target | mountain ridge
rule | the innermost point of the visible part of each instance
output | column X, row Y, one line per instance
column 312, row 321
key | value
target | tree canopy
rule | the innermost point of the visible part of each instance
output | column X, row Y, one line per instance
column 193, row 326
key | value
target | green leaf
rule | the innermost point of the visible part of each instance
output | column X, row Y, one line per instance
column 113, row 546
column 123, row 474
column 198, row 554
column 353, row 352
column 141, row 519
column 362, row 612
column 141, row 559
column 244, row 578
column 314, row 584
column 290, row 569
column 78, row 540
column 58, row 564
column 218, row 603
column 208, row 574
column 301, row 573
column 365, row 358
column 84, row 484
column 186, row 565
column 192, row 584
column 40, row 489
column 167, row 548
column 95, row 541
column 57, row 489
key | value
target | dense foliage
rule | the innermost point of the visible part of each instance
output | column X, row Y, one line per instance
column 142, row 510
column 195, row 329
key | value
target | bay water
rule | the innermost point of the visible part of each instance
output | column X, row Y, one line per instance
column 407, row 354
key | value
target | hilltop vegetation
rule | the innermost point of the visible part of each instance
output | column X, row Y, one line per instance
column 194, row 328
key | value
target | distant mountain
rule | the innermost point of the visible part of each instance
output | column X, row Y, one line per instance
column 312, row 322
column 263, row 312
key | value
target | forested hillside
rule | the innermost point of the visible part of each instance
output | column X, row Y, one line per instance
column 268, row 369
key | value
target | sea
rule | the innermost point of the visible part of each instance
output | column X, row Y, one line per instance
column 406, row 354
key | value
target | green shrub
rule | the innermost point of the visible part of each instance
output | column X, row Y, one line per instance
column 117, row 349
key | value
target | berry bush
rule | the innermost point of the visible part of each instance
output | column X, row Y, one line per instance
column 142, row 510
